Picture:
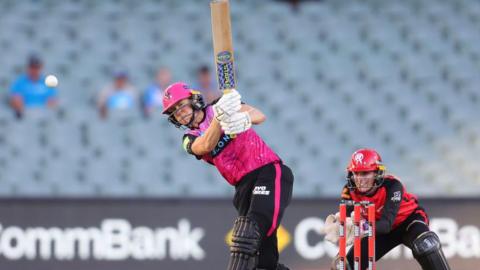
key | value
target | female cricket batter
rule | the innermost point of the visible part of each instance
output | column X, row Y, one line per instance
column 399, row 218
column 263, row 184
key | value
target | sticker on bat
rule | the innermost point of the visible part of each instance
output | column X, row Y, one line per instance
column 224, row 57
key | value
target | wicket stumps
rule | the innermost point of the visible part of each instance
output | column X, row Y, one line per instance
column 357, row 247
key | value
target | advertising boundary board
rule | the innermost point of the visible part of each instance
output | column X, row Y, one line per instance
column 54, row 234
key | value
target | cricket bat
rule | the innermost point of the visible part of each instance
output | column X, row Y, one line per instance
column 222, row 44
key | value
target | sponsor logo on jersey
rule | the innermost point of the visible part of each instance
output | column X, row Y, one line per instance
column 261, row 190
column 397, row 196
column 221, row 144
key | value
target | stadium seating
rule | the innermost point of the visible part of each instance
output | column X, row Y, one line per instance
column 332, row 76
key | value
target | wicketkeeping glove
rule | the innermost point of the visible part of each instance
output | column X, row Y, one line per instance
column 332, row 226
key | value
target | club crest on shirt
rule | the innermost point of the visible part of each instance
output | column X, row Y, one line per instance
column 397, row 196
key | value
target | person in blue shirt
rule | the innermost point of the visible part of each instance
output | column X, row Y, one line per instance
column 29, row 89
column 152, row 97
column 120, row 95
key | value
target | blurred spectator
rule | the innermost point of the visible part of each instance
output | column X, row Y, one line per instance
column 29, row 90
column 206, row 84
column 119, row 95
column 294, row 4
column 152, row 97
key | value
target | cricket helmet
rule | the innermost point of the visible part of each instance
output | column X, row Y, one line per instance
column 176, row 92
column 366, row 160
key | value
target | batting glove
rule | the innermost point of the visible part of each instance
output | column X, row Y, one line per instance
column 227, row 105
column 237, row 123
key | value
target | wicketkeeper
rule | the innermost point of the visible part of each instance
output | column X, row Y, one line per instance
column 399, row 218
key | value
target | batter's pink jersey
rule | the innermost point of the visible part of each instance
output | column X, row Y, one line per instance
column 235, row 157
